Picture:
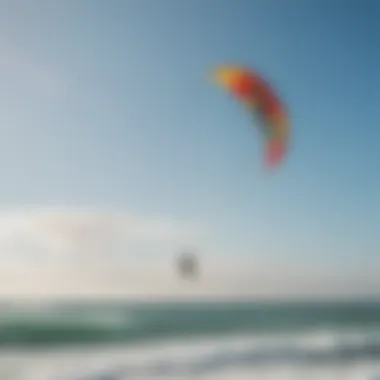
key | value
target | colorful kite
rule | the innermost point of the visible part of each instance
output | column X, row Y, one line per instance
column 257, row 95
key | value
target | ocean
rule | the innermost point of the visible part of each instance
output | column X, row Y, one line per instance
column 190, row 340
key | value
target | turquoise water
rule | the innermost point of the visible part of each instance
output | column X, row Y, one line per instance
column 143, row 340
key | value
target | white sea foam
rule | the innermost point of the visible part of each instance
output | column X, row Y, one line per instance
column 300, row 357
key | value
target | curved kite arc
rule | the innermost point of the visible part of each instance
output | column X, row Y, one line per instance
column 256, row 94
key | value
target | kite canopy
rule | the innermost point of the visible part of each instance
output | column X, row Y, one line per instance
column 258, row 97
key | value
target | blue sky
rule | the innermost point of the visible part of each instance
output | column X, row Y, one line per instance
column 108, row 105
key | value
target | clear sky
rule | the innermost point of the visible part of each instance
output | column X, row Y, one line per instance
column 107, row 106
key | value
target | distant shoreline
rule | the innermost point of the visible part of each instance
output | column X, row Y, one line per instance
column 19, row 300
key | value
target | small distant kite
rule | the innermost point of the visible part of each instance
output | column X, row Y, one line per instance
column 258, row 97
column 188, row 266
